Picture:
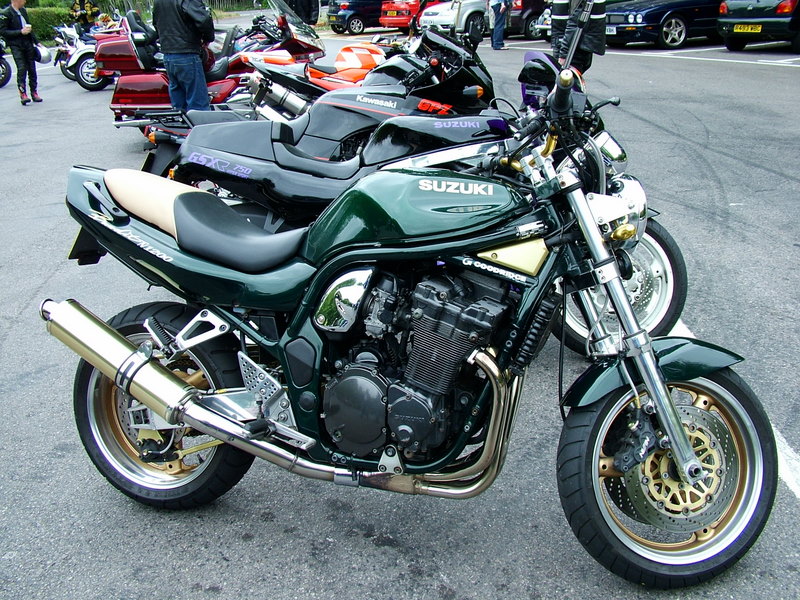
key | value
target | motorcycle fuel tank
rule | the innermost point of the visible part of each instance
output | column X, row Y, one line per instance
column 410, row 206
column 408, row 136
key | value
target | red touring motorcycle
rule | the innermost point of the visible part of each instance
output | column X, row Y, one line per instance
column 143, row 86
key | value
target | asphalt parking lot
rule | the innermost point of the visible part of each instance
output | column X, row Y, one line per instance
column 714, row 138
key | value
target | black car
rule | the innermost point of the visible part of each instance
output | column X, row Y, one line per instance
column 667, row 23
column 743, row 21
column 353, row 16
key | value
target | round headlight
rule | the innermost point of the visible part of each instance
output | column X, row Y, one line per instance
column 630, row 18
column 639, row 18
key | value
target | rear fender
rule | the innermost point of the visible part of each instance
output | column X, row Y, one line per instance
column 680, row 359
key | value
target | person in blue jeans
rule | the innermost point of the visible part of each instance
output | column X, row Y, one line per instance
column 499, row 8
column 184, row 27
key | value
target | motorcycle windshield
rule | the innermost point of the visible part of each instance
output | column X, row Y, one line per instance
column 302, row 32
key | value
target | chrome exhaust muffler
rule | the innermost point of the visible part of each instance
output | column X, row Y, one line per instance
column 137, row 372
column 157, row 387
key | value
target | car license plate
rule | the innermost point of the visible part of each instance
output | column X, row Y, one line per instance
column 391, row 13
column 743, row 28
column 611, row 30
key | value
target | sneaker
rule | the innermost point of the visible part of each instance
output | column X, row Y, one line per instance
column 23, row 98
column 36, row 97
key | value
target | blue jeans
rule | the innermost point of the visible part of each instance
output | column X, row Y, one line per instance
column 499, row 26
column 187, row 82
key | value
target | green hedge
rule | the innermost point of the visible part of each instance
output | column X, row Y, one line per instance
column 44, row 19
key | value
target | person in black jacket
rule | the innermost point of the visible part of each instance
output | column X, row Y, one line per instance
column 183, row 27
column 565, row 25
column 16, row 30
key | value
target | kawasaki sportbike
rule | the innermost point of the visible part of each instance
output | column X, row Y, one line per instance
column 386, row 346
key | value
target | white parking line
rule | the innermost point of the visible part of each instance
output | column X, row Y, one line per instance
column 761, row 62
column 788, row 460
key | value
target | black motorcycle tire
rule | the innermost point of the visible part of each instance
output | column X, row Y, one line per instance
column 103, row 420
column 5, row 72
column 67, row 72
column 84, row 75
column 657, row 290
column 622, row 520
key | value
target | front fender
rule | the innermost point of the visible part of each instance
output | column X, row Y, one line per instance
column 680, row 359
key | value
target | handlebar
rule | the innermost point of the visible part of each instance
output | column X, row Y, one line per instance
column 560, row 101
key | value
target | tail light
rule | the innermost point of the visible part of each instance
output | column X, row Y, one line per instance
column 344, row 5
column 723, row 8
column 786, row 7
column 517, row 5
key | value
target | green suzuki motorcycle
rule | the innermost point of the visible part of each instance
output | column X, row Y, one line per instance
column 386, row 345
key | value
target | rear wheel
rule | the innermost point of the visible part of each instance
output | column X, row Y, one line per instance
column 337, row 29
column 673, row 33
column 645, row 524
column 114, row 427
column 85, row 73
column 735, row 44
column 796, row 43
column 355, row 25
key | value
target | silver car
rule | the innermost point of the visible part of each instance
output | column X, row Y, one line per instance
column 458, row 13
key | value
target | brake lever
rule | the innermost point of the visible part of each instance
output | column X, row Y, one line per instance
column 615, row 101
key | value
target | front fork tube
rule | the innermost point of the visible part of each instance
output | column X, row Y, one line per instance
column 600, row 341
column 636, row 339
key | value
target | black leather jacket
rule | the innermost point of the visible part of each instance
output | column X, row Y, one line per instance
column 183, row 26
column 564, row 27
column 11, row 28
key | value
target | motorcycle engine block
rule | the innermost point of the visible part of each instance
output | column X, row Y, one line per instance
column 373, row 401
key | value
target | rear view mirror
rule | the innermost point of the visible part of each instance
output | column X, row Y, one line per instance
column 538, row 72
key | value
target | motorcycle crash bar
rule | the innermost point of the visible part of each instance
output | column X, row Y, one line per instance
column 136, row 372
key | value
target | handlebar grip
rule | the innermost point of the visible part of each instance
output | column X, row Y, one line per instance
column 560, row 103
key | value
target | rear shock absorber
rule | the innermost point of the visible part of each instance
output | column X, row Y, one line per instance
column 534, row 340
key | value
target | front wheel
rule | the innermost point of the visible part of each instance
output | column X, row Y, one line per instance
column 475, row 20
column 66, row 71
column 647, row 526
column 86, row 76
column 5, row 72
column 115, row 428
column 657, row 291
column 338, row 29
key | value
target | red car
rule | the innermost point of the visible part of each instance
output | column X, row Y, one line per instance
column 398, row 13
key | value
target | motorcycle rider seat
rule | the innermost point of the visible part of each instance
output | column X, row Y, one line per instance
column 290, row 157
column 201, row 223
column 218, row 70
column 137, row 25
column 204, row 117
